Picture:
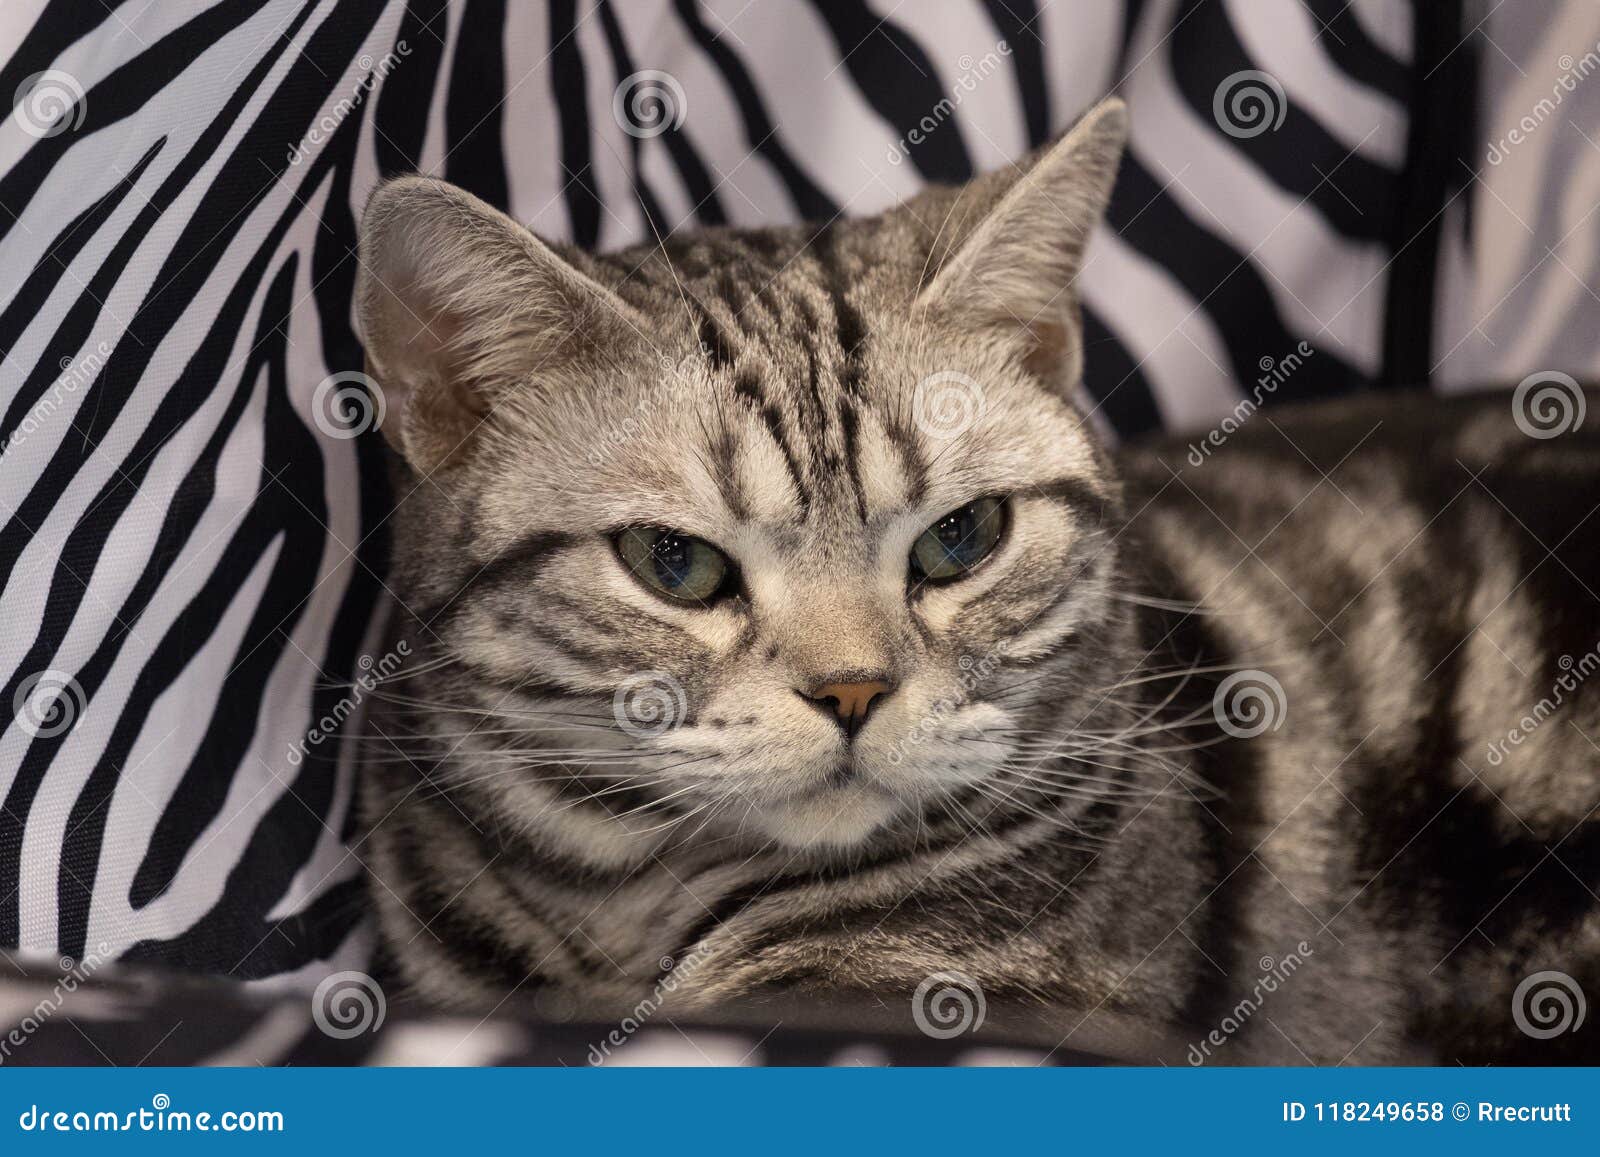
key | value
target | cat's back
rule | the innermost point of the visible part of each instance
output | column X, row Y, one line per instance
column 1440, row 501
column 1536, row 457
column 1425, row 566
column 1409, row 588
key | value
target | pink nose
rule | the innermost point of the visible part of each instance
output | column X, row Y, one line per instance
column 851, row 702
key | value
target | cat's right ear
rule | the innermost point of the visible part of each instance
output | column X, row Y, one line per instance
column 461, row 307
column 1010, row 262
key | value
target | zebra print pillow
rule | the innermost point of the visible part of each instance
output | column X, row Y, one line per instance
column 192, row 546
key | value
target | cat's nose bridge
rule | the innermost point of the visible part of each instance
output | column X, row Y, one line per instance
column 831, row 628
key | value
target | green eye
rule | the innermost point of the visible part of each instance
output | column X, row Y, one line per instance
column 674, row 564
column 958, row 542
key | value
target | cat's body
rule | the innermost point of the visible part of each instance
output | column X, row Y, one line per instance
column 1046, row 795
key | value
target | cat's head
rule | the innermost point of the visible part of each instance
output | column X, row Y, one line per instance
column 782, row 524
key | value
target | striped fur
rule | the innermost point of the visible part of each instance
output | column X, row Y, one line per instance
column 184, row 535
column 1045, row 801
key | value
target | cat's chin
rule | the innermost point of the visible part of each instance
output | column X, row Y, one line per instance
column 838, row 819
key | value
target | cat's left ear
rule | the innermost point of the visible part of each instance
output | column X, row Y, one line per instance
column 462, row 308
column 1013, row 272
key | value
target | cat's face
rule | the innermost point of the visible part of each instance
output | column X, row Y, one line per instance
column 777, row 526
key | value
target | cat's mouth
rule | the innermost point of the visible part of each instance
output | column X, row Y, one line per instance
column 845, row 773
column 831, row 814
column 839, row 804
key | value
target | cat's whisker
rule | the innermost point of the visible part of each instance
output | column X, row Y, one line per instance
column 1081, row 787
column 572, row 770
column 496, row 733
column 416, row 670
column 1133, row 761
column 1045, row 755
column 711, row 814
column 1084, row 840
column 445, row 791
column 676, row 821
column 1145, row 675
column 1154, row 602
column 1197, row 719
column 1119, row 772
column 1109, row 745
column 659, row 802
column 952, row 805
column 499, row 711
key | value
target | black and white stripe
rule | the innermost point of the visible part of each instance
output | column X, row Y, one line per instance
column 180, row 537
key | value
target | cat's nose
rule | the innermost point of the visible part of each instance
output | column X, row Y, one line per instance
column 850, row 701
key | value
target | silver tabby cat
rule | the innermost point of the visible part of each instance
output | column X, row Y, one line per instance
column 777, row 619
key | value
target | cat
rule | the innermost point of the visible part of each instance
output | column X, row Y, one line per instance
column 782, row 626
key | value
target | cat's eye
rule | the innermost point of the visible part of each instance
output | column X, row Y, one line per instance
column 958, row 542
column 674, row 564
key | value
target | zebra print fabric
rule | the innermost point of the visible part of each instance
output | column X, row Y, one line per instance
column 192, row 545
column 140, row 1017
